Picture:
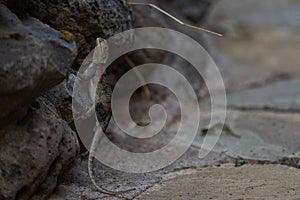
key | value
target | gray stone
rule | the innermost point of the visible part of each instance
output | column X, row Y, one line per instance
column 260, row 135
column 60, row 97
column 86, row 20
column 283, row 95
column 297, row 198
column 33, row 59
column 35, row 153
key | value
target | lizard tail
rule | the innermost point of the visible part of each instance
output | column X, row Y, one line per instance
column 91, row 157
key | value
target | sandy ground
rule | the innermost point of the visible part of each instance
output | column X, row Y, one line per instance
column 246, row 182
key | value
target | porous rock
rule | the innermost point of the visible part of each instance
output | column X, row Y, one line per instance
column 87, row 20
column 35, row 153
column 33, row 59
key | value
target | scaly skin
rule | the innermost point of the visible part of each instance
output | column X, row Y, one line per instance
column 96, row 139
column 103, row 110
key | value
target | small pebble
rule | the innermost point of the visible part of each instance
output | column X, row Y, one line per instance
column 67, row 36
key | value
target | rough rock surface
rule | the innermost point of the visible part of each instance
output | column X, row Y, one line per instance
column 33, row 58
column 87, row 20
column 62, row 101
column 35, row 153
column 61, row 98
column 36, row 146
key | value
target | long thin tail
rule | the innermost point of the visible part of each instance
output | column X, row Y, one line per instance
column 96, row 139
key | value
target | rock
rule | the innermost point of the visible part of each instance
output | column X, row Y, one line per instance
column 33, row 59
column 62, row 100
column 35, row 153
column 280, row 96
column 87, row 20
column 260, row 135
column 37, row 146
column 60, row 96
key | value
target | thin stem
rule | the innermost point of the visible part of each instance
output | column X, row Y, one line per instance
column 139, row 75
column 172, row 17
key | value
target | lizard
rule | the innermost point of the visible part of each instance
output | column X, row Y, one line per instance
column 99, row 58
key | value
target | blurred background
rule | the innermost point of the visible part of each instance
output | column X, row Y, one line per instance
column 258, row 154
